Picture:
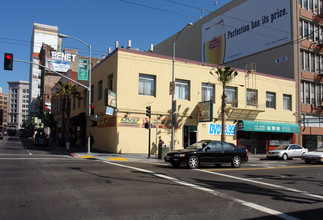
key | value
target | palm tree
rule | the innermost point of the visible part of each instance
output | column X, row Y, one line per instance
column 225, row 76
column 66, row 91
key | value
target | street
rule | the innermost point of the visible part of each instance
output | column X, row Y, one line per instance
column 42, row 183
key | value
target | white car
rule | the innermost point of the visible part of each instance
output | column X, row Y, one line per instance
column 313, row 156
column 287, row 151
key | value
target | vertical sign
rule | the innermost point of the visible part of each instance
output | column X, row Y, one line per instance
column 83, row 72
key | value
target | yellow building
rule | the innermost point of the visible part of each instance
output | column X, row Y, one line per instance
column 260, row 113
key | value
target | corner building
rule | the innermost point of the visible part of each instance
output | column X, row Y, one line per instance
column 281, row 38
column 260, row 114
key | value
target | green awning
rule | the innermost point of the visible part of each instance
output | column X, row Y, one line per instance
column 261, row 126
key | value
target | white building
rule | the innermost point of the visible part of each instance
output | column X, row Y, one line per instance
column 18, row 103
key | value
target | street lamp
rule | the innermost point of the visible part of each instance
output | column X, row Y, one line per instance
column 173, row 82
column 89, row 90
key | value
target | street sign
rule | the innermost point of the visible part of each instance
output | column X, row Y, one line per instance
column 83, row 72
column 172, row 88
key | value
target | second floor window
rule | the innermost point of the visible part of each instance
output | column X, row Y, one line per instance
column 287, row 102
column 207, row 92
column 182, row 89
column 147, row 85
column 270, row 100
column 231, row 93
column 252, row 97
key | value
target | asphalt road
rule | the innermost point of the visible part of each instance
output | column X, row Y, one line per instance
column 39, row 183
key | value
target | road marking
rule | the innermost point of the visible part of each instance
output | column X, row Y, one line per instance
column 211, row 191
column 84, row 157
column 266, row 184
column 118, row 159
column 264, row 168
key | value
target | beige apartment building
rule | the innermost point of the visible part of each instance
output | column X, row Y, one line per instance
column 260, row 111
column 282, row 38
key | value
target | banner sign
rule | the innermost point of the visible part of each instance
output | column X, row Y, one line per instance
column 205, row 111
column 58, row 65
column 262, row 25
column 83, row 72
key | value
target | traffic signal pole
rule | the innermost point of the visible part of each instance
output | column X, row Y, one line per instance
column 148, row 113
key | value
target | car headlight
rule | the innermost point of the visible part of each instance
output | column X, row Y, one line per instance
column 179, row 155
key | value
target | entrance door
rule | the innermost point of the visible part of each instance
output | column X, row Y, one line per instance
column 190, row 135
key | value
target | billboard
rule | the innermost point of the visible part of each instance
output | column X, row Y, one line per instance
column 251, row 27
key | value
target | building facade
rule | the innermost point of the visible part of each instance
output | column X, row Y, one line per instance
column 259, row 114
column 42, row 34
column 281, row 38
column 18, row 103
column 3, row 108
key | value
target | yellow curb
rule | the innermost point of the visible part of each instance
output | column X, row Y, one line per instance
column 120, row 159
column 86, row 156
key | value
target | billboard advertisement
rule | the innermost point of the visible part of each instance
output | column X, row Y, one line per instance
column 251, row 27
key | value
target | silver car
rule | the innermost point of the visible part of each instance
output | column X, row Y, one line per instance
column 313, row 156
column 287, row 151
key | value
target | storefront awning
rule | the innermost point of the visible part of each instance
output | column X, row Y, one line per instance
column 261, row 126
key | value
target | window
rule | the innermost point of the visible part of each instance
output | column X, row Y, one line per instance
column 182, row 89
column 92, row 93
column 110, row 82
column 231, row 93
column 207, row 92
column 306, row 30
column 270, row 100
column 301, row 33
column 287, row 102
column 252, row 97
column 100, row 90
column 85, row 97
column 146, row 85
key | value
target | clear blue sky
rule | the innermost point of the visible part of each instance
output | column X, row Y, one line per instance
column 96, row 22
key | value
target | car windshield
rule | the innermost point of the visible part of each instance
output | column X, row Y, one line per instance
column 282, row 147
column 198, row 145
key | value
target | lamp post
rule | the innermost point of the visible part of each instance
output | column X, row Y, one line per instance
column 173, row 82
column 89, row 90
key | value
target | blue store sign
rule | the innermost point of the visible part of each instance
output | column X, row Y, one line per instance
column 215, row 129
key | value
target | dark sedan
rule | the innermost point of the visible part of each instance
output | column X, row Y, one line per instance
column 208, row 152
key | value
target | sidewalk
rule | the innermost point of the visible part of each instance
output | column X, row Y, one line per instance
column 81, row 152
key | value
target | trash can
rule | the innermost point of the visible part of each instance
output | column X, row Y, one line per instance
column 162, row 150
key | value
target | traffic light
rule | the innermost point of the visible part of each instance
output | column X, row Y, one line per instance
column 8, row 61
column 148, row 111
column 92, row 109
column 94, row 123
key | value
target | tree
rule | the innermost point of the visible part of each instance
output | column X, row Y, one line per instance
column 225, row 76
column 66, row 91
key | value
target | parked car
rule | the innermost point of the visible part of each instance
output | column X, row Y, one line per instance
column 41, row 139
column 313, row 156
column 207, row 152
column 287, row 151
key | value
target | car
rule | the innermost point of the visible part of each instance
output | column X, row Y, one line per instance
column 287, row 151
column 207, row 152
column 41, row 139
column 313, row 156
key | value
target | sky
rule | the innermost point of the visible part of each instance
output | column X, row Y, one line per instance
column 96, row 22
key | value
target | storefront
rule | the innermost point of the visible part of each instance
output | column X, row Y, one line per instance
column 260, row 137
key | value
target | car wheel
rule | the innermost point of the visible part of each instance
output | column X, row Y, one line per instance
column 307, row 161
column 285, row 157
column 175, row 164
column 236, row 162
column 193, row 162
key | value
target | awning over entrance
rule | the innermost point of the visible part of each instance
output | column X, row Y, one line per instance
column 261, row 126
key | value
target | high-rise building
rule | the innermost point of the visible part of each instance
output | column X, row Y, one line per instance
column 18, row 103
column 281, row 38
column 42, row 34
